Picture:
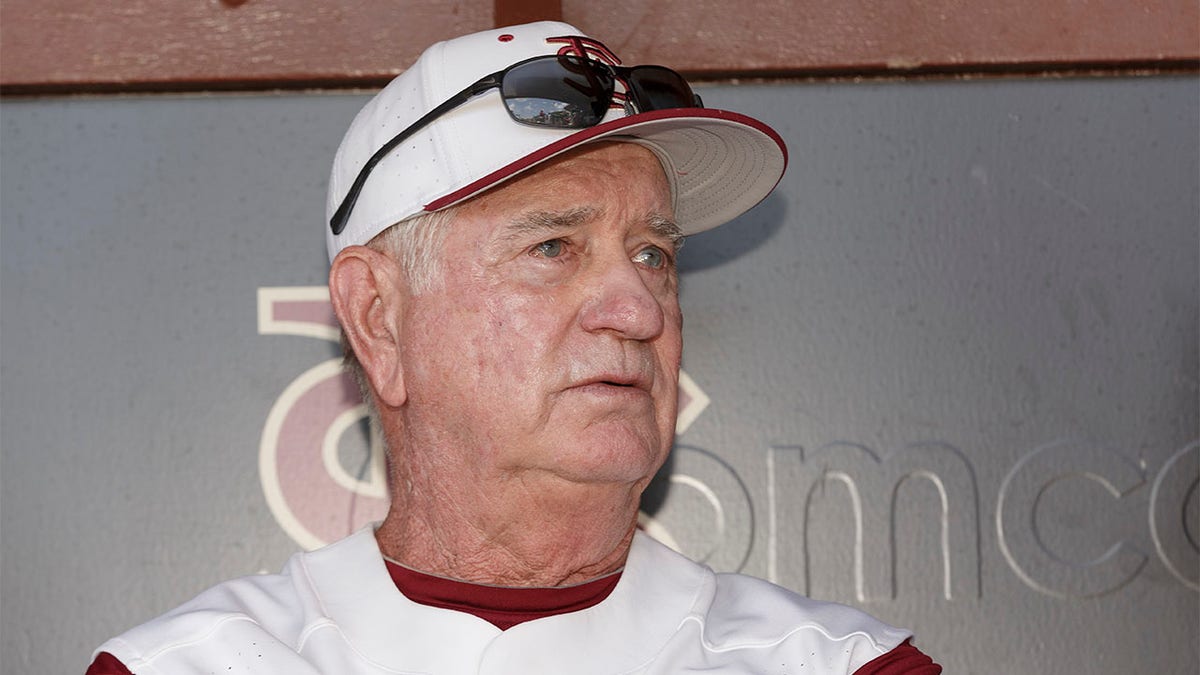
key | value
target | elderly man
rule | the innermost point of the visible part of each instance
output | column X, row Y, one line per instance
column 505, row 218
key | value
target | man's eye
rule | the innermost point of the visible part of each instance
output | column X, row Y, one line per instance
column 549, row 249
column 652, row 257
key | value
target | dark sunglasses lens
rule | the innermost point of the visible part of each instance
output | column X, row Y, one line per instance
column 659, row 88
column 564, row 92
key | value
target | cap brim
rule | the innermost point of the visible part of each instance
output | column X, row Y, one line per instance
column 720, row 163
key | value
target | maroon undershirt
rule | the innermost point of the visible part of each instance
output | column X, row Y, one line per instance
column 501, row 606
column 505, row 607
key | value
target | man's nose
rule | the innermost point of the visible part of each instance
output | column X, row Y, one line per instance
column 621, row 302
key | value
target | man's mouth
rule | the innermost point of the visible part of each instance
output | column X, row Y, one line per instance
column 616, row 381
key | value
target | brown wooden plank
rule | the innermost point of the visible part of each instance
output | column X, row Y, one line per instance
column 514, row 12
column 815, row 36
column 148, row 44
column 140, row 45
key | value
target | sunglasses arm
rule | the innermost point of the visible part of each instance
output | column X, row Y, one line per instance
column 342, row 216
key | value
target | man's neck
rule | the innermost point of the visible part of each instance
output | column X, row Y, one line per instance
column 543, row 532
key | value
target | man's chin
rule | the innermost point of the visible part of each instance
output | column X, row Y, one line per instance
column 611, row 456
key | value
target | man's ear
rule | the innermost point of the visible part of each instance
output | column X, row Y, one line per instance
column 368, row 291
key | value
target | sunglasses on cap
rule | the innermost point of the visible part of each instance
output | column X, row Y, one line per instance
column 556, row 92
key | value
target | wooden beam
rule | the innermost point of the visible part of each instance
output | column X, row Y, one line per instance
column 69, row 46
column 65, row 46
column 767, row 38
column 513, row 12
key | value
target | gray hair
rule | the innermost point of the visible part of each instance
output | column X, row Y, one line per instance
column 416, row 245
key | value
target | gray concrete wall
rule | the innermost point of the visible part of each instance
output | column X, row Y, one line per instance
column 950, row 365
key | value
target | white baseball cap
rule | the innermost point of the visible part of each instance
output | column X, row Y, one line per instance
column 719, row 164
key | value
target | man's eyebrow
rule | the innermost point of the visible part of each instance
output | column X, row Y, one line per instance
column 666, row 228
column 543, row 222
column 539, row 222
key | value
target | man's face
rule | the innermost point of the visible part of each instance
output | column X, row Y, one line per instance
column 552, row 343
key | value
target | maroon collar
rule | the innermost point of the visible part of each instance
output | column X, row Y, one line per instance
column 502, row 606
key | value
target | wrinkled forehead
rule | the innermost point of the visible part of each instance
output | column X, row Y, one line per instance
column 594, row 178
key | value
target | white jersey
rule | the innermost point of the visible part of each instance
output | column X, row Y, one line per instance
column 337, row 611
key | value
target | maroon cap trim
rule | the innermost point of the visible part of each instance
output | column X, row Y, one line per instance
column 600, row 130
